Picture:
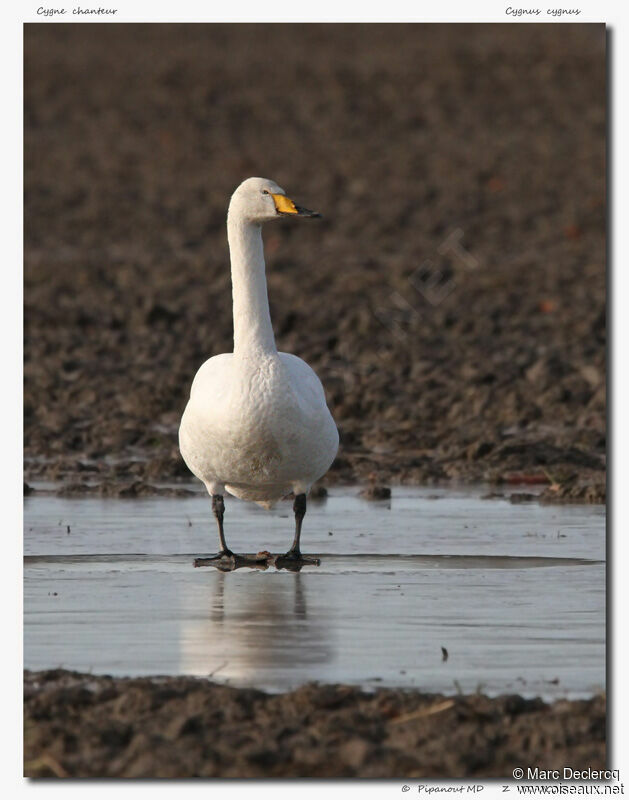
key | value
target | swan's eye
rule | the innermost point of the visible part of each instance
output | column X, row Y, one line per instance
column 264, row 191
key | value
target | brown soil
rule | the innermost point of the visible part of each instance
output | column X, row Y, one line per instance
column 438, row 364
column 87, row 726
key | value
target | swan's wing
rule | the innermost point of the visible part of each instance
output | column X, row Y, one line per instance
column 304, row 381
column 315, row 417
column 212, row 377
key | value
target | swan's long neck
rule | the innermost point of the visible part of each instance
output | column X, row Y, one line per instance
column 253, row 332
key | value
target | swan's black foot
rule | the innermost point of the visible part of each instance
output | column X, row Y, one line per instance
column 294, row 560
column 226, row 561
column 223, row 556
column 294, row 554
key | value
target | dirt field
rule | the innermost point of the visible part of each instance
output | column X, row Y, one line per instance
column 87, row 726
column 452, row 299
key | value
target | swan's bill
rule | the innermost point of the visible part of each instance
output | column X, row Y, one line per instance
column 284, row 205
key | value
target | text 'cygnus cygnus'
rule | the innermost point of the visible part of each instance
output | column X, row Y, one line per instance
column 257, row 424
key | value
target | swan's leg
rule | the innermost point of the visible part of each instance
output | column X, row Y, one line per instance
column 299, row 507
column 218, row 507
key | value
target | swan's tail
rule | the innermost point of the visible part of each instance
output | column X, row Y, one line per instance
column 265, row 496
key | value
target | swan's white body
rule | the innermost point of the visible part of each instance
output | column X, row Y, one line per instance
column 257, row 424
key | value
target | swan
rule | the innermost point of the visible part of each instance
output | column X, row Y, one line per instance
column 256, row 424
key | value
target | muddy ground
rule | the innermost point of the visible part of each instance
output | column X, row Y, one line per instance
column 88, row 726
column 452, row 299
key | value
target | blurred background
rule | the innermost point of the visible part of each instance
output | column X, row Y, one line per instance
column 452, row 299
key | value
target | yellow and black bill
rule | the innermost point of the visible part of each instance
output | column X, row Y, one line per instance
column 285, row 206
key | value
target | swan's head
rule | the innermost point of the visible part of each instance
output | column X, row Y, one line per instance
column 261, row 200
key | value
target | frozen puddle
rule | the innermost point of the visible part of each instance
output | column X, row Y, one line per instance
column 515, row 593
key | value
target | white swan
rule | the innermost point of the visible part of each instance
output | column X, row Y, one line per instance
column 256, row 424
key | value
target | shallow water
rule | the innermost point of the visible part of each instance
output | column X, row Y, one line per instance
column 515, row 593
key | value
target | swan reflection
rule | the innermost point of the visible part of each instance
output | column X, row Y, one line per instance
column 252, row 628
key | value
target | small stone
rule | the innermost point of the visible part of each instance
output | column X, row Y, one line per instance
column 376, row 493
